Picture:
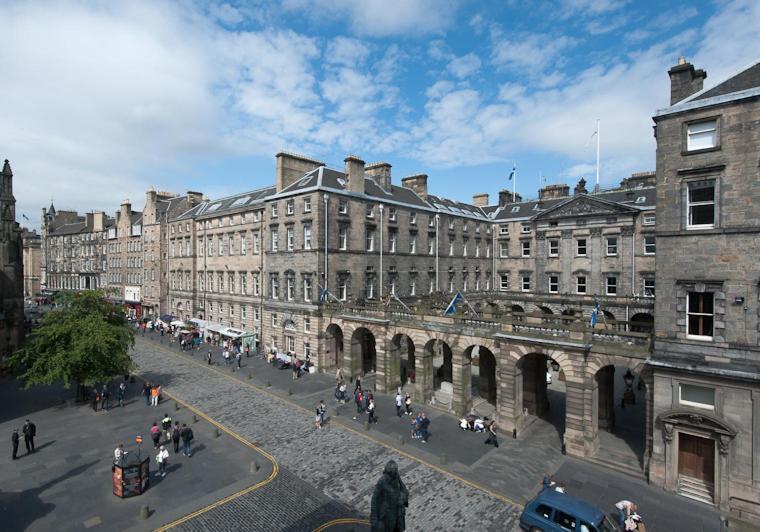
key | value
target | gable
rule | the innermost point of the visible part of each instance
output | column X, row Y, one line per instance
column 584, row 205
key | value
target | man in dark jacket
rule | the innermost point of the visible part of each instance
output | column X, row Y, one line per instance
column 30, row 431
column 389, row 502
column 424, row 424
column 187, row 437
column 14, row 440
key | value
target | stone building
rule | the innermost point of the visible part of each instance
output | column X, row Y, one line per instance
column 32, row 248
column 706, row 360
column 159, row 208
column 125, row 259
column 73, row 254
column 11, row 268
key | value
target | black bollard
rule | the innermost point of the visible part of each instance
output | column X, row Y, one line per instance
column 195, row 418
column 514, row 434
column 444, row 458
column 217, row 433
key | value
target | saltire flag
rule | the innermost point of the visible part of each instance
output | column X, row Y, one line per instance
column 323, row 295
column 452, row 308
column 512, row 173
column 595, row 312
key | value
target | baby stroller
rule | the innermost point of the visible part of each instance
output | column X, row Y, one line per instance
column 473, row 423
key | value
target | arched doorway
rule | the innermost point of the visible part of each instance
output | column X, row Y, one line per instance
column 543, row 390
column 483, row 374
column 363, row 350
column 517, row 312
column 402, row 360
column 642, row 322
column 333, row 346
column 621, row 397
column 441, row 362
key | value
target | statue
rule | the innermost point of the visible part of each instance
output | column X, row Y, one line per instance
column 389, row 501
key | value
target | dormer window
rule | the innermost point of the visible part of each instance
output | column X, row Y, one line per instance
column 370, row 211
column 516, row 208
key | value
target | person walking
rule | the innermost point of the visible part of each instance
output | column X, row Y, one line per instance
column 247, row 351
column 163, row 459
column 359, row 402
column 14, row 441
column 294, row 364
column 120, row 393
column 371, row 411
column 399, row 404
column 146, row 392
column 492, row 435
column 176, row 431
column 424, row 427
column 208, row 358
column 239, row 358
column 154, row 396
column 106, row 395
column 95, row 399
column 187, row 437
column 155, row 434
column 358, row 385
column 118, row 454
column 321, row 409
column 166, row 426
column 30, row 431
column 408, row 404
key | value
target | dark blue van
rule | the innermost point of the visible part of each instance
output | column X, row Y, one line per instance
column 552, row 511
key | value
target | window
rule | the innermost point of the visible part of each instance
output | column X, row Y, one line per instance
column 649, row 287
column 650, row 246
column 243, row 283
column 526, row 283
column 307, row 205
column 525, row 248
column 699, row 315
column 275, row 287
column 231, row 244
column 413, row 218
column 231, row 282
column 256, row 216
column 242, row 243
column 431, row 221
column 274, row 239
column 412, row 244
column 451, row 248
column 525, row 228
column 611, row 286
column 565, row 521
column 370, row 211
column 369, row 289
column 290, row 344
column 580, row 247
column 392, row 238
column 451, row 284
column 503, row 229
column 392, row 214
column 343, row 238
column 580, row 284
column 611, row 245
column 290, row 207
column 243, row 313
column 307, row 324
column 342, row 207
column 256, row 243
column 307, row 289
column 504, row 249
column 274, row 319
column 701, row 205
column 343, row 289
column 544, row 511
column 554, row 248
column 477, row 248
column 465, row 243
column 650, row 219
column 702, row 135
column 431, row 243
column 289, row 239
column 290, row 288
column 256, row 314
column 413, row 285
column 306, row 349
column 274, row 210
column 256, row 285
column 307, row 236
column 696, row 396
column 370, row 240
column 553, row 284
column 451, row 224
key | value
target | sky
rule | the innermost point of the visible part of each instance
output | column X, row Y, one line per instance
column 101, row 100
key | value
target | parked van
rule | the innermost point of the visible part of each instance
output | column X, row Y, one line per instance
column 552, row 511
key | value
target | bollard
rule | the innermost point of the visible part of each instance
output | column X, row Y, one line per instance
column 269, row 384
column 144, row 512
column 290, row 391
column 514, row 434
column 176, row 406
column 195, row 418
column 255, row 466
column 401, row 439
column 337, row 411
column 444, row 458
column 366, row 425
column 250, row 375
column 217, row 433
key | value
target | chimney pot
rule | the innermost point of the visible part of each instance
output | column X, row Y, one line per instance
column 685, row 80
column 354, row 171
column 380, row 174
column 480, row 200
column 417, row 183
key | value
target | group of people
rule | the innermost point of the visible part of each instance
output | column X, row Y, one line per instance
column 29, row 430
column 475, row 424
column 365, row 402
column 165, row 433
column 420, row 427
column 101, row 397
column 152, row 394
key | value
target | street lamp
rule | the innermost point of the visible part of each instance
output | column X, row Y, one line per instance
column 628, row 379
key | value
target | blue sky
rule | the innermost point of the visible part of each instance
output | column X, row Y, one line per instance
column 101, row 100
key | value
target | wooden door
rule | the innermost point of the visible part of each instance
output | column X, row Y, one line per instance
column 696, row 457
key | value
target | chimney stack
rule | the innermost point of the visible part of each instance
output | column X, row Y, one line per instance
column 381, row 174
column 194, row 198
column 125, row 211
column 685, row 80
column 99, row 221
column 88, row 220
column 554, row 191
column 480, row 200
column 417, row 183
column 354, row 174
column 290, row 167
column 580, row 188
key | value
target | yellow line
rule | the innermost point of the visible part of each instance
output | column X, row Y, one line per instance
column 275, row 468
column 343, row 521
column 470, row 483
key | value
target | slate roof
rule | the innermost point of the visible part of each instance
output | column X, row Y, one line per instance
column 749, row 78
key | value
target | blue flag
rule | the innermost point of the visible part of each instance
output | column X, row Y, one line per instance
column 452, row 308
column 512, row 173
column 323, row 295
column 595, row 312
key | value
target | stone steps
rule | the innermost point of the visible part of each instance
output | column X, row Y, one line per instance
column 696, row 489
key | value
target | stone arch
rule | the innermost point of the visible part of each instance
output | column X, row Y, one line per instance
column 642, row 322
column 363, row 351
column 401, row 361
column 544, row 309
column 487, row 386
column 333, row 347
column 440, row 352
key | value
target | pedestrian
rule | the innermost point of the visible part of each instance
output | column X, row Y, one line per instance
column 321, row 409
column 121, row 392
column 118, row 454
column 492, row 435
column 154, row 396
column 155, row 434
column 187, row 437
column 226, row 356
column 146, row 392
column 175, row 436
column 162, row 458
column 238, row 358
column 166, row 426
column 371, row 409
column 208, row 358
column 95, row 399
column 294, row 364
column 106, row 395
column 424, row 424
column 399, row 404
column 14, row 441
column 624, row 510
column 339, row 376
column 30, row 431
column 358, row 385
column 359, row 402
column 408, row 404
column 247, row 351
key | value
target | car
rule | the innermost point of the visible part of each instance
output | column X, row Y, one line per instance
column 553, row 511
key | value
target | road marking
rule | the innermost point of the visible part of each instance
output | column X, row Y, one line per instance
column 343, row 521
column 417, row 459
column 244, row 491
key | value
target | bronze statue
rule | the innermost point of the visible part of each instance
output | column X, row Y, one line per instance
column 389, row 501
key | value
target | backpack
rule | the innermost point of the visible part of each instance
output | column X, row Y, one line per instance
column 188, row 434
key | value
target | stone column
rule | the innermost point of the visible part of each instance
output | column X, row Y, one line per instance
column 393, row 365
column 509, row 406
column 423, row 368
column 352, row 362
column 605, row 389
column 670, row 436
column 382, row 364
column 575, row 407
column 722, row 479
column 461, row 381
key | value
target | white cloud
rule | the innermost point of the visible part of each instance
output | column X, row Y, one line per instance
column 586, row 8
column 346, row 51
column 464, row 66
column 226, row 14
column 531, row 53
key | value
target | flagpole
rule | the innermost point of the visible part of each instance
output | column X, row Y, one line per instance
column 514, row 180
column 598, row 135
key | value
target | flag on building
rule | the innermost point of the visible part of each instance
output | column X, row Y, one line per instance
column 452, row 308
column 323, row 295
column 595, row 312
column 512, row 173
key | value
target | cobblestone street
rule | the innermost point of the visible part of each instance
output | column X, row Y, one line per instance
column 334, row 463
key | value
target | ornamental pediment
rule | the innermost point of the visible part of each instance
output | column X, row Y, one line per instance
column 697, row 419
column 584, row 205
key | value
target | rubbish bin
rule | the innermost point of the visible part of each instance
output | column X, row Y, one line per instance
column 131, row 476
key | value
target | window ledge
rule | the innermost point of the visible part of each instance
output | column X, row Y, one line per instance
column 703, row 150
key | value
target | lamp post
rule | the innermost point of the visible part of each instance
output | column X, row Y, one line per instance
column 437, row 223
column 326, row 197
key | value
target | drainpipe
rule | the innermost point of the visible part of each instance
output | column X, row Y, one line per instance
column 633, row 271
column 437, row 223
column 380, row 297
column 493, row 258
column 326, row 216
